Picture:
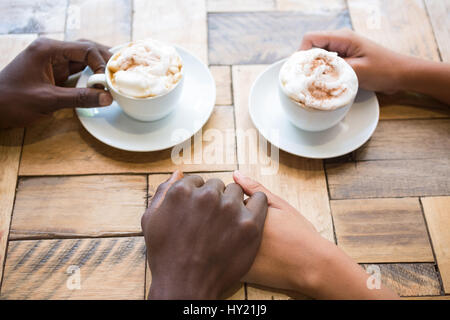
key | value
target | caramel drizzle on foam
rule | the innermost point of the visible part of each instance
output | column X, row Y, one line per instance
column 133, row 63
column 319, row 91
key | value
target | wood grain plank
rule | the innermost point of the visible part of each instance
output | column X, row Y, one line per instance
column 255, row 292
column 222, row 76
column 263, row 37
column 408, row 139
column 437, row 214
column 87, row 206
column 112, row 29
column 10, row 147
column 237, row 292
column 388, row 178
column 308, row 6
column 439, row 12
column 28, row 16
column 401, row 25
column 410, row 279
column 61, row 146
column 299, row 180
column 110, row 268
column 382, row 230
column 428, row 298
column 410, row 105
column 180, row 22
column 56, row 35
column 237, row 5
column 12, row 44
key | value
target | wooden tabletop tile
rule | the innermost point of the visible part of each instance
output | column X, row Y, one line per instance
column 407, row 105
column 439, row 13
column 388, row 178
column 28, row 16
column 61, row 146
column 112, row 29
column 382, row 230
column 10, row 146
column 308, row 6
column 238, row 5
column 174, row 21
column 400, row 25
column 255, row 292
column 263, row 37
column 86, row 206
column 222, row 76
column 409, row 279
column 437, row 214
column 410, row 139
column 108, row 268
column 299, row 180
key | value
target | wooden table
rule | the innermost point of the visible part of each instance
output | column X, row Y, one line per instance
column 70, row 206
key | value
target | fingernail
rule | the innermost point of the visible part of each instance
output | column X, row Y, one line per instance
column 105, row 99
column 238, row 174
column 175, row 175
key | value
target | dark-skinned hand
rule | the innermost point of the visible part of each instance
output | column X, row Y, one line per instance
column 31, row 84
column 201, row 237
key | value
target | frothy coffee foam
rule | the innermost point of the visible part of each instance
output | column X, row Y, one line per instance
column 319, row 79
column 145, row 68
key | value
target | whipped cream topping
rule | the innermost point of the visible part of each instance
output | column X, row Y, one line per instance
column 145, row 68
column 318, row 79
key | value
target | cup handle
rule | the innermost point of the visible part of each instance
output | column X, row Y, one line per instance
column 98, row 78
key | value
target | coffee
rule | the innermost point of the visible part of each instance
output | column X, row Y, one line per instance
column 145, row 68
column 318, row 79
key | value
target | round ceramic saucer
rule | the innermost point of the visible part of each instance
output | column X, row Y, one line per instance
column 271, row 121
column 113, row 127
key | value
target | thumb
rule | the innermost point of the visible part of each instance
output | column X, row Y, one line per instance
column 162, row 189
column 251, row 187
column 81, row 98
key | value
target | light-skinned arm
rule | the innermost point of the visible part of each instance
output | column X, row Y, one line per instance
column 294, row 256
column 381, row 69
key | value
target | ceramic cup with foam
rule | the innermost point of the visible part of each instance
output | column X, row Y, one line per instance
column 316, row 89
column 152, row 104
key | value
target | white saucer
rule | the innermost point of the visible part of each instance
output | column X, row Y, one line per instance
column 111, row 126
column 269, row 118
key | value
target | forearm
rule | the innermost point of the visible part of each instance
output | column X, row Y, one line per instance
column 426, row 77
column 337, row 276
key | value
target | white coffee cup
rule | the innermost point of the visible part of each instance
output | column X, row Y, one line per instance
column 310, row 119
column 142, row 109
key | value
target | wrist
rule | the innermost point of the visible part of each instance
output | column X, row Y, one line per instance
column 307, row 276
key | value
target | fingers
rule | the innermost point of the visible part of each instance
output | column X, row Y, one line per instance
column 251, row 187
column 104, row 50
column 194, row 180
column 216, row 184
column 257, row 204
column 234, row 191
column 80, row 97
column 162, row 189
column 85, row 52
column 343, row 41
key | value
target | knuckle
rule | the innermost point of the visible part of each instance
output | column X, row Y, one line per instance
column 249, row 227
column 82, row 97
column 179, row 189
column 261, row 195
column 208, row 194
column 230, row 205
column 39, row 44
